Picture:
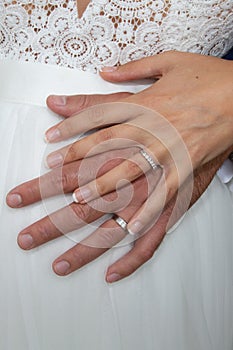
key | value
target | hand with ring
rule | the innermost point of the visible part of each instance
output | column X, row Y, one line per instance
column 113, row 230
column 176, row 138
column 64, row 180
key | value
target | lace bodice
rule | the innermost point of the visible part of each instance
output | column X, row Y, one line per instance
column 112, row 31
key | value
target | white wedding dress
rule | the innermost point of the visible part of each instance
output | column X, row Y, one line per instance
column 182, row 299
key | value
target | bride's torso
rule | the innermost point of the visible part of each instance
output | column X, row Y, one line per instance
column 40, row 310
column 110, row 32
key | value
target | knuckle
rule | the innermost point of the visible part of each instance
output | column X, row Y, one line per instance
column 130, row 265
column 132, row 168
column 69, row 182
column 101, row 187
column 128, row 130
column 106, row 238
column 76, row 257
column 65, row 180
column 71, row 153
column 60, row 180
column 32, row 192
column 66, row 127
column 105, row 135
column 83, row 102
column 145, row 254
column 95, row 115
column 43, row 233
column 56, row 182
column 82, row 212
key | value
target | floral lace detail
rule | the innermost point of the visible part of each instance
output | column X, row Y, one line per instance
column 112, row 32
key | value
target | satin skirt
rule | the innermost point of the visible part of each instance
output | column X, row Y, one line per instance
column 181, row 299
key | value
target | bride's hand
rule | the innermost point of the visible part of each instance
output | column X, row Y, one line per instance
column 193, row 93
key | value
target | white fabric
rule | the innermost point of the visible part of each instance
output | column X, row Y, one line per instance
column 183, row 297
column 112, row 32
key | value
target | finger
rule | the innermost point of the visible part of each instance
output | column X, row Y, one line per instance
column 101, row 240
column 141, row 130
column 57, row 181
column 145, row 246
column 128, row 171
column 88, row 250
column 149, row 67
column 92, row 118
column 65, row 179
column 70, row 105
column 150, row 211
column 106, row 140
column 143, row 250
column 74, row 217
column 177, row 170
column 108, row 235
column 57, row 224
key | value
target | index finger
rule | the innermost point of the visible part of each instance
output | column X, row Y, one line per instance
column 52, row 183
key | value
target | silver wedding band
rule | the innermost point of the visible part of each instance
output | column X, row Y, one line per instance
column 121, row 222
column 150, row 160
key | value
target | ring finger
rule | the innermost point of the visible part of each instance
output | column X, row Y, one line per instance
column 101, row 240
column 128, row 170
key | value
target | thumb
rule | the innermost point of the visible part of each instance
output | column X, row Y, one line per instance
column 150, row 67
column 67, row 106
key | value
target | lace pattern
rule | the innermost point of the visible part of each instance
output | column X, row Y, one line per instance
column 112, row 32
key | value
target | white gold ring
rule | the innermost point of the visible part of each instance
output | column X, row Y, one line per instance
column 121, row 222
column 149, row 160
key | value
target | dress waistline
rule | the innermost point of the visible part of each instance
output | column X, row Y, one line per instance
column 31, row 83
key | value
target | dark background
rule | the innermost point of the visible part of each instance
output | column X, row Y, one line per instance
column 229, row 56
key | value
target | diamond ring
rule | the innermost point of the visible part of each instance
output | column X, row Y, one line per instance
column 150, row 160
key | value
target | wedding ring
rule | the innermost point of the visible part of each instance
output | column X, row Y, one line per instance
column 121, row 222
column 149, row 160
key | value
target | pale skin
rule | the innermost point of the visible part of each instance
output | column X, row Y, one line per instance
column 81, row 6
column 145, row 246
column 193, row 93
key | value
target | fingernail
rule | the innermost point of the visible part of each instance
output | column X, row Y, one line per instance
column 113, row 277
column 52, row 135
column 134, row 227
column 108, row 69
column 62, row 267
column 81, row 195
column 59, row 100
column 75, row 199
column 14, row 200
column 54, row 160
column 25, row 241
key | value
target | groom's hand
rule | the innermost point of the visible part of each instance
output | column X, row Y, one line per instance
column 76, row 216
